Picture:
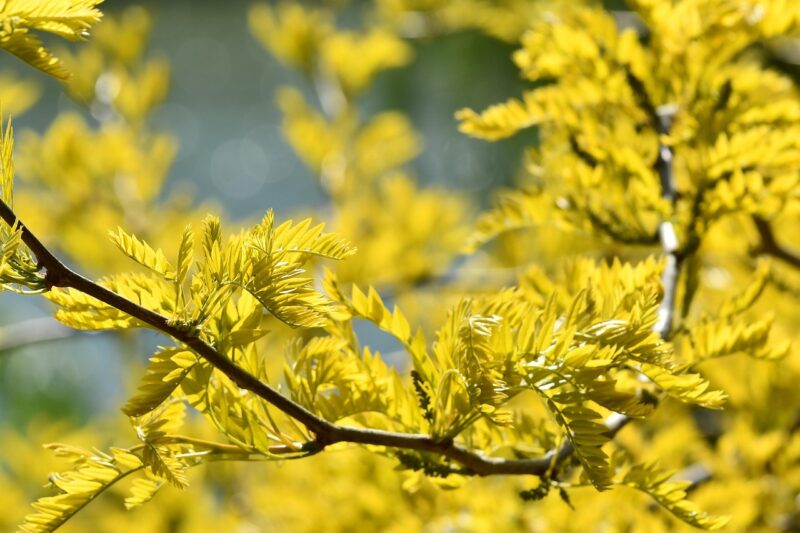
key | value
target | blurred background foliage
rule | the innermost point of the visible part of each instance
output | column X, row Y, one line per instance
column 183, row 107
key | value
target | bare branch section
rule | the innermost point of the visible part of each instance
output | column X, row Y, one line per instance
column 674, row 259
column 769, row 245
column 327, row 433
column 661, row 120
column 666, row 230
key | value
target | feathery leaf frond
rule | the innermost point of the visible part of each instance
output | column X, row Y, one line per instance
column 671, row 495
column 69, row 19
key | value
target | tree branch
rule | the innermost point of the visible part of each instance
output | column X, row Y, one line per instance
column 666, row 230
column 326, row 433
column 769, row 246
column 660, row 119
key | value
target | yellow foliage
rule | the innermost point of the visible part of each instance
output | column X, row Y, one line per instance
column 305, row 39
column 111, row 75
column 98, row 178
column 95, row 180
column 17, row 95
column 70, row 19
column 599, row 121
column 355, row 59
column 406, row 235
column 663, row 165
column 502, row 19
column 290, row 32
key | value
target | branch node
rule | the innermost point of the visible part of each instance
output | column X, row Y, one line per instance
column 54, row 278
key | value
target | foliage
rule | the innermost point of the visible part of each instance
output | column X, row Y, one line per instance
column 66, row 18
column 111, row 171
column 664, row 171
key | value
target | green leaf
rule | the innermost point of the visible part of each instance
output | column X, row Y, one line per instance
column 142, row 491
column 69, row 19
column 93, row 472
column 185, row 256
column 167, row 369
column 300, row 238
column 671, row 495
column 687, row 387
column 584, row 429
column 159, row 456
column 143, row 253
column 81, row 311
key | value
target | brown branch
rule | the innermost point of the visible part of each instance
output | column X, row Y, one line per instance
column 769, row 246
column 326, row 433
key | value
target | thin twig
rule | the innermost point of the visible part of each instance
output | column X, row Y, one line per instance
column 661, row 120
column 769, row 246
column 331, row 97
column 666, row 230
